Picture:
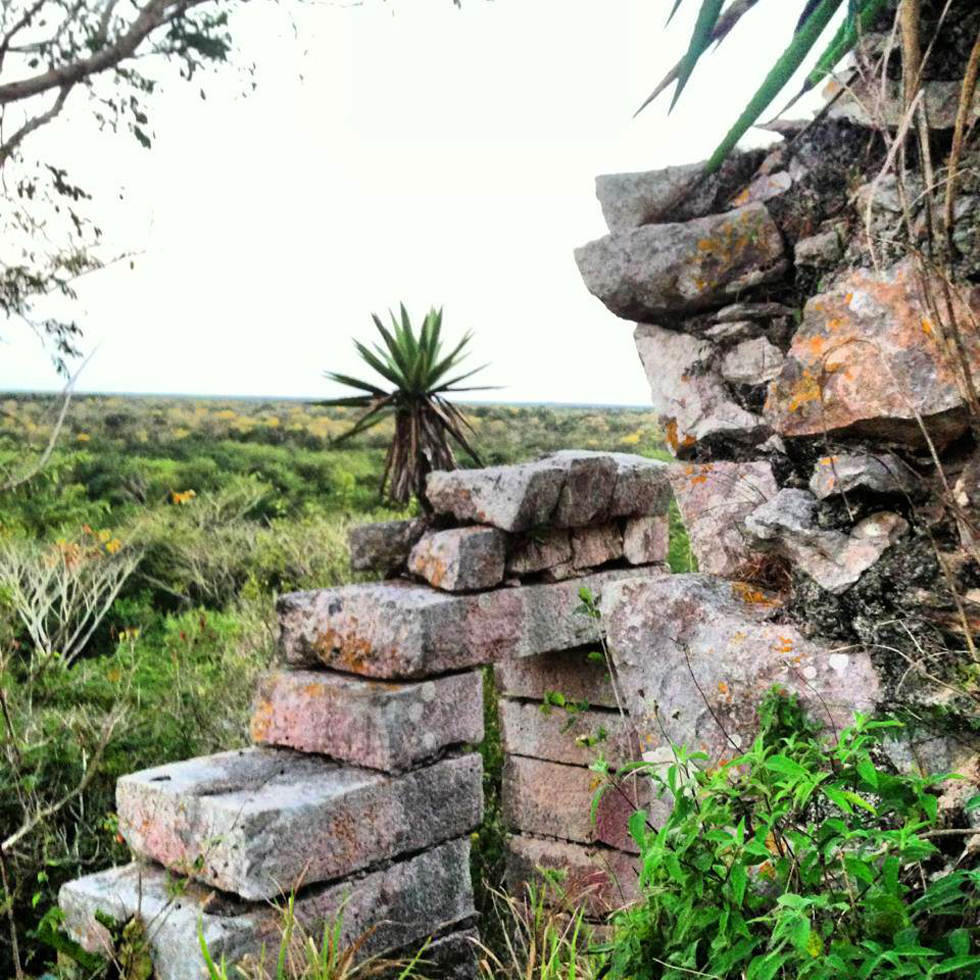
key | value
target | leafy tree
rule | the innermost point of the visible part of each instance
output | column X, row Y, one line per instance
column 57, row 52
column 425, row 422
column 60, row 53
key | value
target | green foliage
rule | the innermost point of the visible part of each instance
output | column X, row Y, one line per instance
column 801, row 859
column 544, row 936
column 304, row 957
column 425, row 421
column 712, row 26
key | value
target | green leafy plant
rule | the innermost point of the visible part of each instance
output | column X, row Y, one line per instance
column 426, row 423
column 713, row 25
column 802, row 859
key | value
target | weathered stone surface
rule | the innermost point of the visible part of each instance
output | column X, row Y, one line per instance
column 451, row 957
column 764, row 188
column 694, row 653
column 537, row 552
column 751, row 311
column 634, row 199
column 571, row 488
column 383, row 547
column 820, row 250
column 598, row 879
column 461, row 559
column 513, row 498
column 580, row 675
column 681, row 268
column 556, row 735
column 259, row 822
column 687, row 392
column 398, row 905
column 733, row 332
column 863, row 104
column 714, row 499
column 401, row 631
column 590, row 481
column 868, row 357
column 646, row 540
column 376, row 724
column 641, row 488
column 880, row 472
column 553, row 800
column 594, row 546
column 787, row 525
column 752, row 362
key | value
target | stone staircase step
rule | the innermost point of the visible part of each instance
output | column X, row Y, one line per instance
column 377, row 724
column 399, row 630
column 260, row 822
column 396, row 906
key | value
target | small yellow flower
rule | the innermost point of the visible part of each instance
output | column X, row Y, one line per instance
column 113, row 546
column 105, row 536
column 182, row 496
column 83, row 437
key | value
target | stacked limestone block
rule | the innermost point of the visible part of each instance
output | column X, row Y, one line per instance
column 545, row 529
column 557, row 712
column 358, row 795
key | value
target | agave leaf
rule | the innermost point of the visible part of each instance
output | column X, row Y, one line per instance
column 700, row 41
column 450, row 360
column 676, row 7
column 723, row 28
column 776, row 80
column 385, row 370
column 377, row 413
column 346, row 379
column 397, row 354
column 844, row 40
column 455, row 381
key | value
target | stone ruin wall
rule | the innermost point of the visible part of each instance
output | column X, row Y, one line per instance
column 362, row 787
column 808, row 391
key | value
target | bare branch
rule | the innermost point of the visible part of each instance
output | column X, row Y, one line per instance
column 7, row 147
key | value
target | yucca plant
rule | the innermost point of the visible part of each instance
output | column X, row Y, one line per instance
column 426, row 422
column 714, row 23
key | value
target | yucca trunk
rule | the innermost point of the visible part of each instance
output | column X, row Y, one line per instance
column 420, row 445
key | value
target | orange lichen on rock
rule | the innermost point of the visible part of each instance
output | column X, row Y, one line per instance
column 869, row 355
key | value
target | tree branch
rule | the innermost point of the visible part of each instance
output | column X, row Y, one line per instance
column 152, row 16
column 7, row 147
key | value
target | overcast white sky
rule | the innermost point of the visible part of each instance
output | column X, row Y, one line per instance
column 392, row 151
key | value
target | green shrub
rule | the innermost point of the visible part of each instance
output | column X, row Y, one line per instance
column 802, row 859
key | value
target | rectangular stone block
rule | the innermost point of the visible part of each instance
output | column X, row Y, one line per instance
column 398, row 630
column 384, row 546
column 572, row 488
column 462, row 559
column 598, row 879
column 553, row 800
column 594, row 546
column 261, row 822
column 557, row 735
column 377, row 724
column 533, row 553
column 646, row 540
column 576, row 674
column 392, row 908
